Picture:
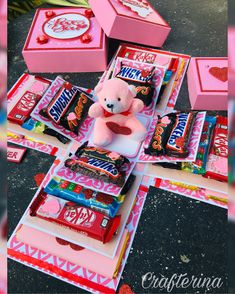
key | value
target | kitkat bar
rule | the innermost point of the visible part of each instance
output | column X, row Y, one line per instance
column 217, row 164
column 73, row 216
column 23, row 108
column 28, row 100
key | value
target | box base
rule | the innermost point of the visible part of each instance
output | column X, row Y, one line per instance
column 66, row 61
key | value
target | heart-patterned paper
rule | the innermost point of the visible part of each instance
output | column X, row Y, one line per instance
column 219, row 73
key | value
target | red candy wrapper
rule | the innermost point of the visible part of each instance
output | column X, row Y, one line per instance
column 217, row 164
column 29, row 99
column 79, row 218
column 21, row 111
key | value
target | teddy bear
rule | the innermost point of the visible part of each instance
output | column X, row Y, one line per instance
column 115, row 112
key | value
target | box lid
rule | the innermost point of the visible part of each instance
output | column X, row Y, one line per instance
column 64, row 28
column 212, row 73
column 139, row 10
column 131, row 20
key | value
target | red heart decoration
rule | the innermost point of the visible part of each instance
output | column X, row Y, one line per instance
column 89, row 13
column 88, row 194
column 84, row 159
column 145, row 73
column 62, row 241
column 42, row 39
column 86, row 38
column 117, row 129
column 179, row 142
column 50, row 14
column 76, row 247
column 219, row 73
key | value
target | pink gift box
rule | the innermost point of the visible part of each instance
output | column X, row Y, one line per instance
column 67, row 41
column 3, row 23
column 131, row 20
column 231, row 48
column 208, row 83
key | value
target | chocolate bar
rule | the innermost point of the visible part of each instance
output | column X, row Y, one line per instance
column 76, row 217
column 199, row 166
column 25, row 105
column 23, row 108
column 98, row 201
column 97, row 168
column 171, row 165
column 99, row 163
column 102, row 154
column 129, row 183
column 53, row 133
column 141, row 79
column 217, row 164
column 161, row 135
column 69, row 108
column 177, row 145
column 168, row 75
column 40, row 128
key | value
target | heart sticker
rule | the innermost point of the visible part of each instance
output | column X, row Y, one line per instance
column 51, row 206
column 141, row 7
column 219, row 73
column 117, row 129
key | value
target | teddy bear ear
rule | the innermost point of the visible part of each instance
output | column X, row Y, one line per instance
column 132, row 89
column 98, row 88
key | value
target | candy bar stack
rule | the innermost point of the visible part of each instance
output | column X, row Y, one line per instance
column 81, row 223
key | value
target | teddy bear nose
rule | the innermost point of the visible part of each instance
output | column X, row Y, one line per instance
column 110, row 105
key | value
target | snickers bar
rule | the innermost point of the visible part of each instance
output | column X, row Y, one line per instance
column 177, row 145
column 141, row 79
column 100, row 164
column 69, row 108
column 102, row 154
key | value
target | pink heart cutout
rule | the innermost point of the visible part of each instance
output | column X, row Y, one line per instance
column 51, row 206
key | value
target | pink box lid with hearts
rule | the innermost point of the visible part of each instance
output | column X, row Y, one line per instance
column 231, row 48
column 208, row 83
column 71, row 35
column 131, row 20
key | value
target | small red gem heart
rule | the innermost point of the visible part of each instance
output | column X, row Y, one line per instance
column 179, row 142
column 42, row 39
column 145, row 73
column 86, row 38
column 68, row 86
column 219, row 73
column 84, row 159
column 89, row 13
column 50, row 14
column 116, row 129
column 88, row 194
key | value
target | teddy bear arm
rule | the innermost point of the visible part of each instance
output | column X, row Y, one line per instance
column 96, row 110
column 137, row 105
